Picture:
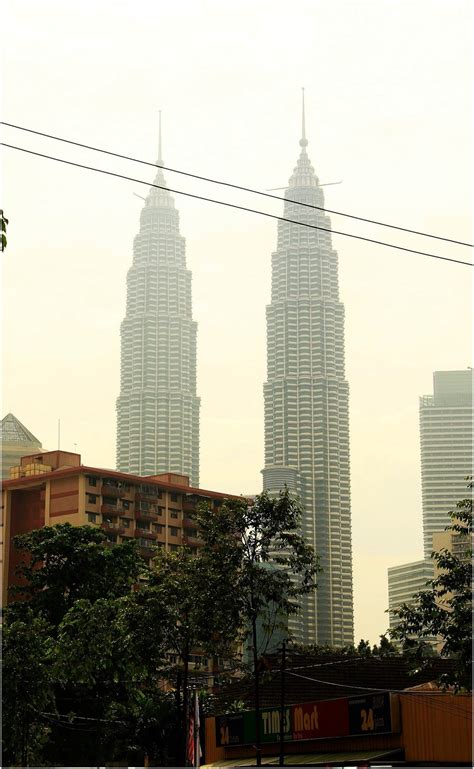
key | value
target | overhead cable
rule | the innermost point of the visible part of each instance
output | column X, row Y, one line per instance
column 233, row 186
column 235, row 206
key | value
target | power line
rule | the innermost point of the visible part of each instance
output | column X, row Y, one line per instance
column 409, row 692
column 235, row 206
column 232, row 186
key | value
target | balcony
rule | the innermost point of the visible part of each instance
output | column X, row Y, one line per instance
column 113, row 527
column 189, row 507
column 144, row 533
column 145, row 515
column 188, row 523
column 110, row 510
column 108, row 490
column 146, row 550
column 147, row 495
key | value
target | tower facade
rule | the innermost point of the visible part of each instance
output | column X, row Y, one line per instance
column 446, row 432
column 306, row 402
column 157, row 409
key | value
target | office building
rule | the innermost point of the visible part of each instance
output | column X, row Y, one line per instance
column 306, row 400
column 404, row 582
column 446, row 432
column 157, row 409
column 446, row 460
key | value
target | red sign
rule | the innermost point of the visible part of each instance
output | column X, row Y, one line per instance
column 320, row 719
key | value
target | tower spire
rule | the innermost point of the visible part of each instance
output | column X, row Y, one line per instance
column 303, row 140
column 160, row 157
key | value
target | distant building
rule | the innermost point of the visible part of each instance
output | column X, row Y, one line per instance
column 446, row 433
column 16, row 441
column 157, row 409
column 54, row 487
column 306, row 399
column 404, row 582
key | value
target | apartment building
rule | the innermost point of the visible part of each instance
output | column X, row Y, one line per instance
column 54, row 487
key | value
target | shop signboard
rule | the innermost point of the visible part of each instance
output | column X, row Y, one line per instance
column 370, row 714
column 315, row 720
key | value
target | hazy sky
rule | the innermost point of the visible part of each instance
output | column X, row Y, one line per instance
column 388, row 96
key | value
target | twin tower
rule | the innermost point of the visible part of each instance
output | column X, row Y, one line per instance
column 305, row 395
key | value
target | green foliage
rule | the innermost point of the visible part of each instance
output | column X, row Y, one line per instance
column 444, row 610
column 83, row 652
column 27, row 688
column 268, row 561
column 65, row 563
column 3, row 230
column 385, row 648
column 197, row 592
column 273, row 565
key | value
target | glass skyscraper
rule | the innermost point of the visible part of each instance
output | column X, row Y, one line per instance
column 306, row 400
column 158, row 409
column 446, row 449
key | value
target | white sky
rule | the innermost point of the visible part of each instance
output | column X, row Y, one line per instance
column 388, row 95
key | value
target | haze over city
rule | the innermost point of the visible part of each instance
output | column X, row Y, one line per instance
column 386, row 114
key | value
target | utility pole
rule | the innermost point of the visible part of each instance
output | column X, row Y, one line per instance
column 256, row 676
column 282, row 704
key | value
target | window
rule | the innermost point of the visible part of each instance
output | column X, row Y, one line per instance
column 143, row 525
column 112, row 501
column 125, row 504
column 158, row 528
column 173, row 547
column 174, row 497
column 92, row 517
column 112, row 538
column 125, row 522
column 92, row 499
column 92, row 481
column 173, row 531
column 173, row 514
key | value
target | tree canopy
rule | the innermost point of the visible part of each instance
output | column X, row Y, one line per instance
column 444, row 609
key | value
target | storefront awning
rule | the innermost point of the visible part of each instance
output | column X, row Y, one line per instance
column 310, row 759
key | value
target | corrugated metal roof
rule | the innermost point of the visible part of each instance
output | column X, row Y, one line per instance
column 325, row 677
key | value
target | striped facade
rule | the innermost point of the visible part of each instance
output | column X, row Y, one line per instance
column 306, row 403
column 446, row 431
column 157, row 409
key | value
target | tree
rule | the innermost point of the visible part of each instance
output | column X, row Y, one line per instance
column 274, row 567
column 64, row 563
column 198, row 592
column 108, row 661
column 82, row 650
column 444, row 609
column 27, row 688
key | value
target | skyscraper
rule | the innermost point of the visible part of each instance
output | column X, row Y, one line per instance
column 446, row 422
column 157, row 409
column 306, row 401
column 446, row 460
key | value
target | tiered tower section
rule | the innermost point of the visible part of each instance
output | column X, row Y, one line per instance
column 306, row 402
column 158, row 410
